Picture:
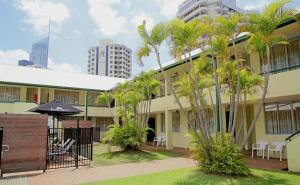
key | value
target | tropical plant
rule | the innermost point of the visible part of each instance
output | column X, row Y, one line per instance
column 133, row 104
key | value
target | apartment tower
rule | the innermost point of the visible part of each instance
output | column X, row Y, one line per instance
column 191, row 9
column 110, row 59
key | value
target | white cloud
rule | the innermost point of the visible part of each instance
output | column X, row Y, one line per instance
column 108, row 20
column 138, row 20
column 168, row 8
column 38, row 13
column 64, row 67
column 12, row 57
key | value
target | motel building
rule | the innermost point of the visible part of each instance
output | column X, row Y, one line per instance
column 23, row 88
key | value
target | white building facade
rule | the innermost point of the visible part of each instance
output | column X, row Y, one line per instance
column 110, row 59
column 191, row 9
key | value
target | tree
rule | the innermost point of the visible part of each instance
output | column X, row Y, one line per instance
column 133, row 104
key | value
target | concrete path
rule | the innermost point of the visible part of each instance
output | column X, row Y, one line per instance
column 83, row 175
column 21, row 180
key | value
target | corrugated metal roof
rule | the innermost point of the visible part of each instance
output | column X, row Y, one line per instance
column 20, row 75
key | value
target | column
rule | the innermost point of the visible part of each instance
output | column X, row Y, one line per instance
column 23, row 94
column 166, row 87
column 86, row 94
column 39, row 95
column 169, row 129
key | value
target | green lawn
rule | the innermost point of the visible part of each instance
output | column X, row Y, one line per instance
column 101, row 156
column 191, row 176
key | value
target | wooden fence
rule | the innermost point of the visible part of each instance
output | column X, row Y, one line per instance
column 26, row 136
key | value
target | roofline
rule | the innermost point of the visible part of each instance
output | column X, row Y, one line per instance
column 50, row 86
column 236, row 41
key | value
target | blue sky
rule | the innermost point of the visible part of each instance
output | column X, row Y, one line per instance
column 78, row 25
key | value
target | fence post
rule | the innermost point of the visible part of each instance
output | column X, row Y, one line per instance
column 92, row 140
column 77, row 143
column 1, row 139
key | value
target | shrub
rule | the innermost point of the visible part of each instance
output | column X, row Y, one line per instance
column 128, row 137
column 225, row 158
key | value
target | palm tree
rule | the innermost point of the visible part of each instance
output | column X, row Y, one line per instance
column 261, row 26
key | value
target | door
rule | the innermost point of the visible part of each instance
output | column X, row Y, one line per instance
column 151, row 133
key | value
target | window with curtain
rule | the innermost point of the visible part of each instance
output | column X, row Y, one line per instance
column 294, row 53
column 68, row 97
column 9, row 94
column 209, row 115
column 279, row 57
column 163, row 123
column 176, row 121
column 92, row 99
column 282, row 118
column 285, row 57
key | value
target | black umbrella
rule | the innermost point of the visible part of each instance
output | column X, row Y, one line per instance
column 56, row 108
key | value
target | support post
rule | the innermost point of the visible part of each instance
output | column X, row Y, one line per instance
column 77, row 143
column 169, row 129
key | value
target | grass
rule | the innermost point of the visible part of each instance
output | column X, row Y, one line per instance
column 191, row 176
column 101, row 156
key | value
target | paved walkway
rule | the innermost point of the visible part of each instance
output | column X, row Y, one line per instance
column 82, row 175
column 22, row 180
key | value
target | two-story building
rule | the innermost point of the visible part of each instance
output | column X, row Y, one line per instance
column 23, row 88
column 281, row 114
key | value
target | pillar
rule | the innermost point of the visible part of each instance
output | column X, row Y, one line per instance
column 39, row 95
column 23, row 94
column 169, row 129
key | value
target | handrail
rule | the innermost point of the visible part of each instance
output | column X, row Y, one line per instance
column 283, row 69
column 291, row 136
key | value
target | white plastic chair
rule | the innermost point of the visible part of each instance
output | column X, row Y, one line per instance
column 160, row 141
column 259, row 146
column 276, row 147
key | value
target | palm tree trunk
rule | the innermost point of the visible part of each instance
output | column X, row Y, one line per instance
column 265, row 90
column 180, row 105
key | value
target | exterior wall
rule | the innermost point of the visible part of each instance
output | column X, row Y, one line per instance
column 293, row 154
column 24, row 105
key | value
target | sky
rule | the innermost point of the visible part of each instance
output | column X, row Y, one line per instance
column 77, row 25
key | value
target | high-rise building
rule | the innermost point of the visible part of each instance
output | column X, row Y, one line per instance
column 39, row 53
column 25, row 63
column 110, row 59
column 191, row 9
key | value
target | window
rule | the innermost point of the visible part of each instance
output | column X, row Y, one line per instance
column 282, row 118
column 285, row 57
column 163, row 123
column 294, row 53
column 9, row 94
column 209, row 116
column 162, row 88
column 92, row 99
column 69, row 97
column 176, row 121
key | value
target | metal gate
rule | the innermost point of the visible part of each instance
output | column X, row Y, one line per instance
column 69, row 147
column 1, row 139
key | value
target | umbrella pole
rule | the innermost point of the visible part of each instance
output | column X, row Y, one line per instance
column 53, row 119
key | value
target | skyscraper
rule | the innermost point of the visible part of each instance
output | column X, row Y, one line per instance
column 191, row 9
column 39, row 53
column 110, row 59
column 25, row 63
